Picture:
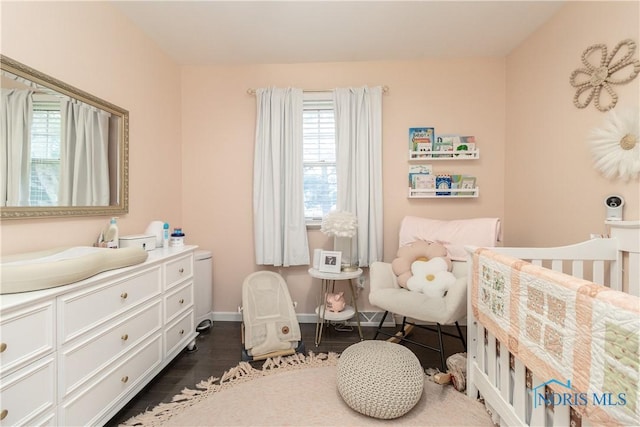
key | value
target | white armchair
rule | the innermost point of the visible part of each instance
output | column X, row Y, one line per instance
column 449, row 310
column 423, row 310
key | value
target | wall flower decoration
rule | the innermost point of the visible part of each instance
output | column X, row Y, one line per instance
column 611, row 70
column 616, row 144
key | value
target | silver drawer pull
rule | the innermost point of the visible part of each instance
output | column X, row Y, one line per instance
column 181, row 331
column 125, row 337
column 181, row 301
column 3, row 347
column 3, row 414
column 124, row 295
column 124, row 379
column 181, row 270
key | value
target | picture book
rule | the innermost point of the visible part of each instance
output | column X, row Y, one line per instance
column 443, row 182
column 456, row 182
column 422, row 135
column 422, row 150
column 467, row 183
column 423, row 182
column 416, row 170
column 444, row 143
column 465, row 143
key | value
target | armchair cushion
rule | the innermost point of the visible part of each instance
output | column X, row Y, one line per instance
column 388, row 295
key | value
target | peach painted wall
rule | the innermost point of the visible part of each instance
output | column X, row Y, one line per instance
column 456, row 96
column 91, row 46
column 553, row 194
column 192, row 133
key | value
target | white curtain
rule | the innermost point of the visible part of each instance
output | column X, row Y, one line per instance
column 278, row 205
column 358, row 113
column 15, row 146
column 84, row 156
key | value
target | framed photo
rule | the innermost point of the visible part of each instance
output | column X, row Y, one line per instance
column 330, row 261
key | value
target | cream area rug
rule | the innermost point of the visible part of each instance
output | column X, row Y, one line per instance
column 299, row 390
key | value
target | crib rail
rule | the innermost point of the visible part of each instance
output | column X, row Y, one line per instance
column 597, row 260
column 507, row 385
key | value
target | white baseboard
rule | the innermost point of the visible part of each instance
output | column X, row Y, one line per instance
column 367, row 318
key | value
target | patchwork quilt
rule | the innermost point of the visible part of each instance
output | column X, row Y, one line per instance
column 582, row 339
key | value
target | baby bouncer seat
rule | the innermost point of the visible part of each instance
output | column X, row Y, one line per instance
column 269, row 323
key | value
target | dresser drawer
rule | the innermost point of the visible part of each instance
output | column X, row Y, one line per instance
column 177, row 334
column 177, row 301
column 83, row 310
column 178, row 270
column 91, row 402
column 80, row 361
column 26, row 335
column 28, row 393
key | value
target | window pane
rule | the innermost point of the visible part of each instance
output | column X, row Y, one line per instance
column 45, row 154
column 45, row 134
column 43, row 188
column 319, row 157
column 320, row 190
column 319, row 136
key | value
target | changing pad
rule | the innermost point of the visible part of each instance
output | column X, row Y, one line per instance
column 56, row 267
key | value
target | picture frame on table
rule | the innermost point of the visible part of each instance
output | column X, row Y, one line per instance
column 330, row 261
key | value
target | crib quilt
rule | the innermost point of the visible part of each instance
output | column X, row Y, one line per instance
column 581, row 338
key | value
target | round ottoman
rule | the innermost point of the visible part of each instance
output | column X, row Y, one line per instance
column 380, row 379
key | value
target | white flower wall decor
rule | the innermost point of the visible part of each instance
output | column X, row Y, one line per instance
column 616, row 144
column 612, row 69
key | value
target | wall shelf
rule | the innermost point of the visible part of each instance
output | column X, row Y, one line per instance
column 422, row 156
column 454, row 193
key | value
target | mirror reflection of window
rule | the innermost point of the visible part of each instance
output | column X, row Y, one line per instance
column 60, row 147
column 45, row 153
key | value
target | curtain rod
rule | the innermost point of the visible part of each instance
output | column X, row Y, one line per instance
column 251, row 91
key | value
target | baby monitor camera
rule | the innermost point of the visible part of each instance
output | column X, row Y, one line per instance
column 614, row 207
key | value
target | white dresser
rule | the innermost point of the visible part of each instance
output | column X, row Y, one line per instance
column 76, row 354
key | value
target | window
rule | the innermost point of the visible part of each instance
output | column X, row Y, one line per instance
column 45, row 154
column 319, row 156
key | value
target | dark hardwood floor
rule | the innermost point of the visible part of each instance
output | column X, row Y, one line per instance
column 219, row 349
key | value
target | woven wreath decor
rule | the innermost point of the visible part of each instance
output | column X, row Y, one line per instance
column 616, row 144
column 590, row 80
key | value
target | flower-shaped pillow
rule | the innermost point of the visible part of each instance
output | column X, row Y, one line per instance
column 419, row 250
column 432, row 277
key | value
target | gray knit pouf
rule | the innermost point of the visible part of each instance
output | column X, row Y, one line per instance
column 380, row 379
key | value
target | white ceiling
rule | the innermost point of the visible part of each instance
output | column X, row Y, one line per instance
column 252, row 32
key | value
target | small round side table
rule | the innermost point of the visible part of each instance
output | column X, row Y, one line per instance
column 328, row 282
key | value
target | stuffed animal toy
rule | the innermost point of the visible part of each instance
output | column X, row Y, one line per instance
column 419, row 250
column 431, row 277
column 456, row 372
column 335, row 302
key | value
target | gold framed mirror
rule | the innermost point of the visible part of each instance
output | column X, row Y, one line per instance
column 63, row 151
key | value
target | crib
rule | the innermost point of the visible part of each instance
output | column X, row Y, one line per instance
column 547, row 344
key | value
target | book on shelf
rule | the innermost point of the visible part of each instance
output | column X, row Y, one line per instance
column 456, row 182
column 443, row 182
column 421, row 135
column 423, row 182
column 463, row 145
column 419, row 170
column 467, row 183
column 444, row 144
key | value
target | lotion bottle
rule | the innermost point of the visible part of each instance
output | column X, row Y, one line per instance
column 165, row 235
column 111, row 235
